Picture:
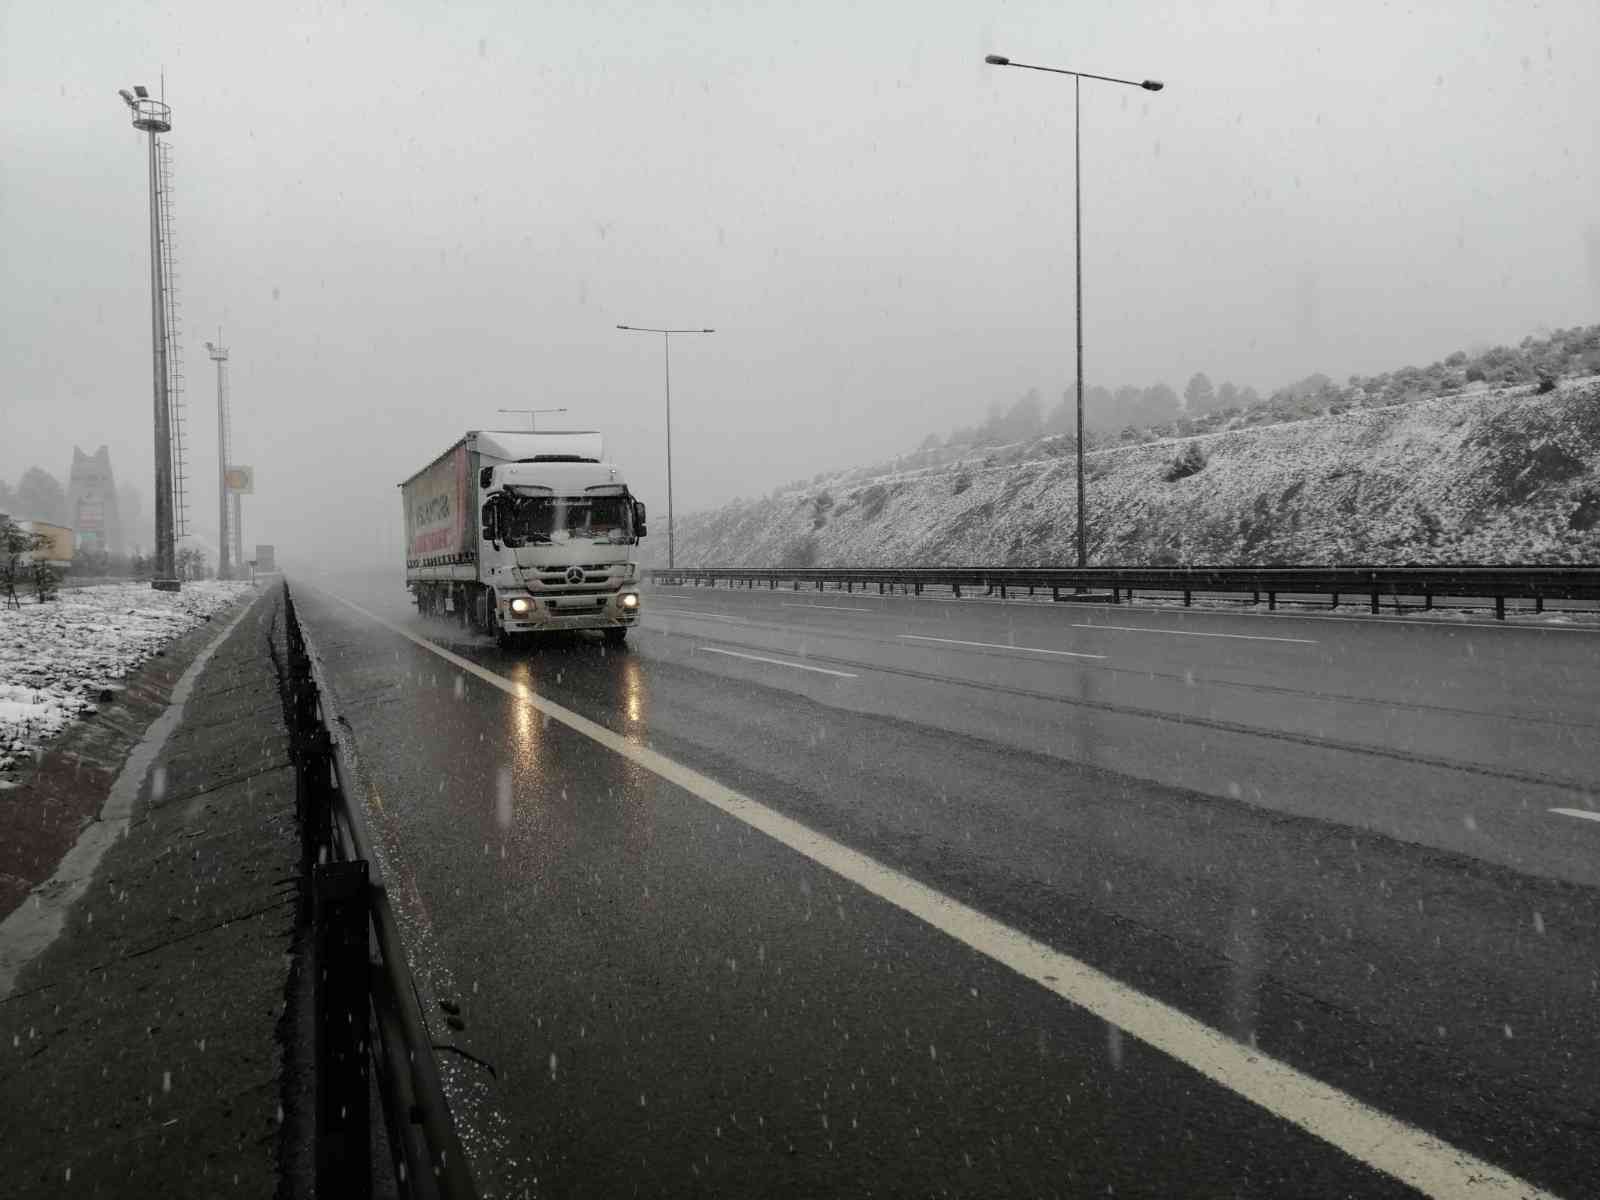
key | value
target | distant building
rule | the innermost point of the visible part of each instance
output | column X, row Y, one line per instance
column 92, row 502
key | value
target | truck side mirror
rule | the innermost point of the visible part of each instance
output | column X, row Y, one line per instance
column 491, row 519
column 640, row 529
column 485, row 477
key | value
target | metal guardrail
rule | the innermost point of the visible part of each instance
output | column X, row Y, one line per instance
column 366, row 1006
column 1375, row 584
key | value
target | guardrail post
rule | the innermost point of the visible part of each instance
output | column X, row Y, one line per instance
column 956, row 588
column 344, row 1150
column 313, row 791
column 1272, row 601
column 1188, row 597
column 1427, row 599
column 1335, row 603
column 1538, row 603
column 919, row 587
column 1055, row 593
column 1374, row 599
column 1002, row 591
column 1499, row 608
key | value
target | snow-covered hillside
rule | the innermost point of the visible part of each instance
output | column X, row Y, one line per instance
column 1506, row 476
column 54, row 655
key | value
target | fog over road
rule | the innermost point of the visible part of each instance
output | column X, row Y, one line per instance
column 812, row 894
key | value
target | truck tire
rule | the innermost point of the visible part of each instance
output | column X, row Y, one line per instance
column 615, row 637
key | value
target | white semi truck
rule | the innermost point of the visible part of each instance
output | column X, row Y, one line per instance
column 514, row 533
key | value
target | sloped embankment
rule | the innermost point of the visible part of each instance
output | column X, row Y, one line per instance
column 1504, row 476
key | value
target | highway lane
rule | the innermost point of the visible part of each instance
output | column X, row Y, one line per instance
column 585, row 909
column 1455, row 736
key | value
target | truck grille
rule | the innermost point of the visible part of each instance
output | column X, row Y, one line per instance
column 596, row 578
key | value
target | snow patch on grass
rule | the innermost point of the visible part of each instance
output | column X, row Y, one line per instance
column 55, row 657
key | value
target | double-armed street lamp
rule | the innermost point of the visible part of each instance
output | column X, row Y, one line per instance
column 1149, row 85
column 666, row 350
column 532, row 414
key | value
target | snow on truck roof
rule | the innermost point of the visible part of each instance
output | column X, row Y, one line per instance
column 519, row 445
column 515, row 445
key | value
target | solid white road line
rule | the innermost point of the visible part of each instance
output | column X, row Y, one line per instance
column 1243, row 637
column 1582, row 814
column 913, row 637
column 1411, row 1155
column 777, row 662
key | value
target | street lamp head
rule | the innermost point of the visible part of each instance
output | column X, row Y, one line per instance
column 624, row 326
column 127, row 97
column 997, row 60
column 1152, row 85
column 708, row 331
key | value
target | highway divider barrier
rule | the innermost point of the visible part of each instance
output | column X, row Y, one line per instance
column 1418, row 587
column 368, row 1019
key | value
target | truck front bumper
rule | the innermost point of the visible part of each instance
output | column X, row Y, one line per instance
column 605, row 610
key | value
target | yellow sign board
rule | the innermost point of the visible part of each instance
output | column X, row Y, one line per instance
column 240, row 480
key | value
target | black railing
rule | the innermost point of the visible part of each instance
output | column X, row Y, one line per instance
column 366, row 1007
column 1423, row 586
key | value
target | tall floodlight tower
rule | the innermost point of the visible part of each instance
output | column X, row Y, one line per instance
column 225, row 525
column 177, row 414
column 152, row 117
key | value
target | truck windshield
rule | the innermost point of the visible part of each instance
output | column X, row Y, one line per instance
column 536, row 520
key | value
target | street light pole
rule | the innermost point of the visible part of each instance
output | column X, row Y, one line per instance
column 666, row 360
column 219, row 355
column 1149, row 85
column 1077, row 254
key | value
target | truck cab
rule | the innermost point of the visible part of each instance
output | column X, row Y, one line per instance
column 557, row 546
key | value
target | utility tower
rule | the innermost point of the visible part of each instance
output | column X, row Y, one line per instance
column 153, row 117
column 177, row 403
column 227, row 499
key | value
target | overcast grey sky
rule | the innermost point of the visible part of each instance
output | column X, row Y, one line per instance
column 407, row 216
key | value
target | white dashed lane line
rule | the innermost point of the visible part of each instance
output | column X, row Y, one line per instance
column 1243, row 637
column 1582, row 814
column 777, row 662
column 914, row 637
column 833, row 608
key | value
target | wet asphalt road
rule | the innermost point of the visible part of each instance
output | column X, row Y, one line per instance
column 1335, row 844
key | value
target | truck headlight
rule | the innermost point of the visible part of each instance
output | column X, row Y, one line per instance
column 520, row 605
column 630, row 600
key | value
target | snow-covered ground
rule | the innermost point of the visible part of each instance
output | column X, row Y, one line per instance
column 54, row 656
column 1503, row 476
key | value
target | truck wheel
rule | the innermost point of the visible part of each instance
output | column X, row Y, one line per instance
column 615, row 637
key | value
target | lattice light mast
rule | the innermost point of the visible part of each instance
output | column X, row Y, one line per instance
column 177, row 408
column 227, row 502
column 152, row 117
